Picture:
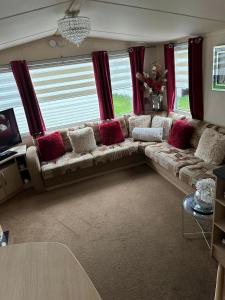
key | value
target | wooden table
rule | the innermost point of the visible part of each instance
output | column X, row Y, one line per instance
column 43, row 271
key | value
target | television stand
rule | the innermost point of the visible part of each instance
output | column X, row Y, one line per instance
column 7, row 154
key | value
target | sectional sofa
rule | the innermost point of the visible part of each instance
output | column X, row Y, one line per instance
column 180, row 167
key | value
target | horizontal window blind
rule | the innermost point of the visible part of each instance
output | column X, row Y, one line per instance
column 66, row 91
column 181, row 66
column 181, row 76
column 10, row 98
column 121, row 82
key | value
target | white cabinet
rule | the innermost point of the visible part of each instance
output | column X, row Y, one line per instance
column 10, row 180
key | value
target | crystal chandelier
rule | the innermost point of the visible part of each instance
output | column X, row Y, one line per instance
column 73, row 27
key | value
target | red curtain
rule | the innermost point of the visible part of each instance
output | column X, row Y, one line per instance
column 103, row 84
column 195, row 77
column 31, row 106
column 170, row 67
column 137, row 55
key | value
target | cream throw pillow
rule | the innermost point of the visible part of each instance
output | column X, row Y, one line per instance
column 83, row 140
column 142, row 121
column 211, row 147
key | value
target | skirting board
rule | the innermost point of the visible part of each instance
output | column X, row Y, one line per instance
column 183, row 187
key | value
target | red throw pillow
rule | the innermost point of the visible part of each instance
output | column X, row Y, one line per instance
column 111, row 132
column 50, row 146
column 180, row 134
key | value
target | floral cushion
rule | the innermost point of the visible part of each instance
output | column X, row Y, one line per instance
column 162, row 122
column 171, row 158
column 114, row 152
column 192, row 173
column 66, row 164
column 142, row 121
column 199, row 127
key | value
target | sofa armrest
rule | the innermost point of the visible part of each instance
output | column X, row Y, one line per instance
column 34, row 168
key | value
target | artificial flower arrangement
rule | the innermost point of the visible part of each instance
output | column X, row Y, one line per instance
column 154, row 83
column 206, row 190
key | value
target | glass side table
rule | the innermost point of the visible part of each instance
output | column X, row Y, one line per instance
column 203, row 221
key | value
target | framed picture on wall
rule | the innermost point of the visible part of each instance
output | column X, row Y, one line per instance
column 218, row 80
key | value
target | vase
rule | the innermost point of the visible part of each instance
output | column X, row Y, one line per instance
column 157, row 101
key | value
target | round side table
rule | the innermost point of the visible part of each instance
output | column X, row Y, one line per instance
column 203, row 221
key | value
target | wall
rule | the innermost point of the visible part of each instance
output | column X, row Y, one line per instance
column 214, row 101
column 40, row 49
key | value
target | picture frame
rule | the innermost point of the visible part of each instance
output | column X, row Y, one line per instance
column 218, row 77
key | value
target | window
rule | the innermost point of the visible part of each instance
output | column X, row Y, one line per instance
column 66, row 91
column 10, row 98
column 181, row 74
column 121, row 83
column 218, row 68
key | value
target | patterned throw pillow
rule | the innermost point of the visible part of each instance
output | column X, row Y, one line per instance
column 211, row 147
column 162, row 122
column 83, row 140
column 66, row 140
column 142, row 121
column 95, row 127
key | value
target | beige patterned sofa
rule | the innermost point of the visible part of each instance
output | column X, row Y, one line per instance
column 180, row 167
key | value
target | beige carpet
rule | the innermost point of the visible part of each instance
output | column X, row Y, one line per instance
column 125, row 229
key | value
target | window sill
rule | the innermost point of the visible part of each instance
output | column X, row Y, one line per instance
column 182, row 112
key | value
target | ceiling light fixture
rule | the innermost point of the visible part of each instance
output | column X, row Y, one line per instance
column 73, row 27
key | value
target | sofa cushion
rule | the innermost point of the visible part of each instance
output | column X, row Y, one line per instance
column 111, row 132
column 95, row 127
column 211, row 147
column 148, row 134
column 199, row 127
column 192, row 173
column 162, row 122
column 50, row 146
column 171, row 158
column 143, row 145
column 66, row 140
column 66, row 164
column 83, row 140
column 142, row 121
column 104, row 153
column 180, row 134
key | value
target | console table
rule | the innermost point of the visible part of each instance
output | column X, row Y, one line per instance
column 14, row 175
column 43, row 271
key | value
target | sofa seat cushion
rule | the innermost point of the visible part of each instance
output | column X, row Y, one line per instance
column 66, row 164
column 143, row 145
column 191, row 174
column 171, row 158
column 104, row 153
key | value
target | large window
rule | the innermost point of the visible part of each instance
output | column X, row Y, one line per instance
column 66, row 91
column 121, row 82
column 10, row 98
column 181, row 74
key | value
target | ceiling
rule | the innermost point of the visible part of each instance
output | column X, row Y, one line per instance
column 130, row 20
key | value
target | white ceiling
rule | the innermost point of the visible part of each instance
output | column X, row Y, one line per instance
column 131, row 20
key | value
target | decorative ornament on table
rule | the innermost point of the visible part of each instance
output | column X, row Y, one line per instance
column 154, row 85
column 204, row 196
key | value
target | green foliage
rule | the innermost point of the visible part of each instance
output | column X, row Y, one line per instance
column 219, row 86
column 122, row 104
column 183, row 103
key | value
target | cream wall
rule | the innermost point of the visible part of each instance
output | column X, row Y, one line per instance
column 40, row 49
column 214, row 101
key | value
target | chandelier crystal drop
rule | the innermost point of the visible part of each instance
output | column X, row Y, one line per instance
column 74, row 28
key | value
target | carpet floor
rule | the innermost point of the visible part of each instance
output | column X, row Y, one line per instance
column 125, row 229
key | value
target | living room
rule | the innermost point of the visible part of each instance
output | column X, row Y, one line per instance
column 112, row 150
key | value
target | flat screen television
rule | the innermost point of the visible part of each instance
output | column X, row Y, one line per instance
column 9, row 132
